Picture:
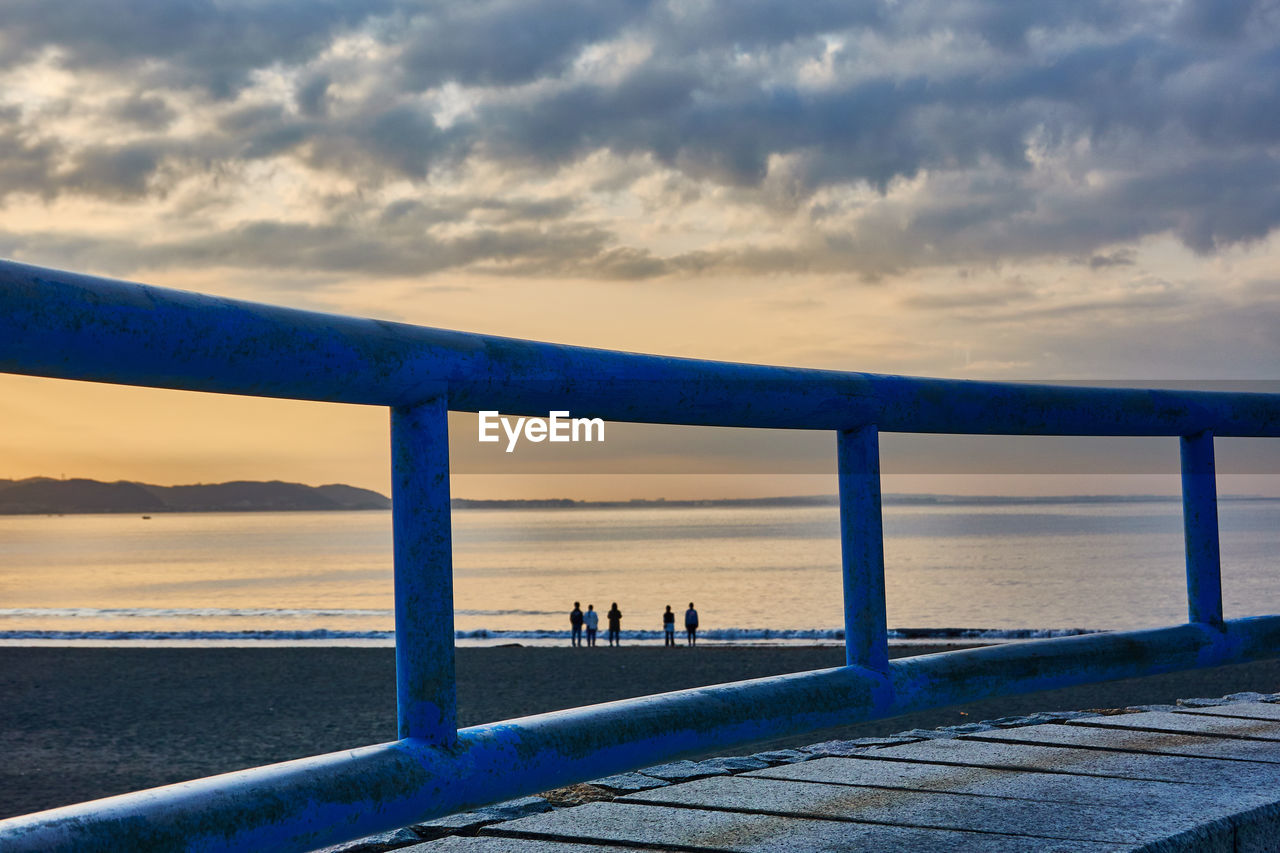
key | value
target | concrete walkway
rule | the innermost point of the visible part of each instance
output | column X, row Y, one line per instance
column 1191, row 779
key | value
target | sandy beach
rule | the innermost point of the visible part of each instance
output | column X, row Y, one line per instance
column 82, row 723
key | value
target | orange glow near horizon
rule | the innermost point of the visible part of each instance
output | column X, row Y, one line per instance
column 58, row 428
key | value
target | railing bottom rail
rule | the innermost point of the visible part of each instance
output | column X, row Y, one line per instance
column 313, row 802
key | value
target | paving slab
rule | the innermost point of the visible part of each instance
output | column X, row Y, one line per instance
column 1247, row 710
column 1230, row 699
column 520, row 807
column 697, row 829
column 514, row 845
column 1196, row 779
column 383, row 841
column 734, row 763
column 1152, row 797
column 1141, row 740
column 1059, row 821
column 1186, row 780
column 781, row 756
column 1059, row 758
column 830, row 748
column 681, row 771
column 462, row 823
column 1206, row 725
column 1257, row 831
column 623, row 782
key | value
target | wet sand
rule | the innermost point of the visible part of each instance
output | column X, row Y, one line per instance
column 82, row 723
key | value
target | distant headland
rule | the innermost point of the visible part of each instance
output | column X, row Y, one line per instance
column 45, row 495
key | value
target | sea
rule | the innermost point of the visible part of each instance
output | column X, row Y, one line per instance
column 955, row 571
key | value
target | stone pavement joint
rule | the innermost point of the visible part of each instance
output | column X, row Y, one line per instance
column 682, row 771
column 1199, row 776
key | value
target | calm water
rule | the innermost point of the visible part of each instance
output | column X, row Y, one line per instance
column 749, row 570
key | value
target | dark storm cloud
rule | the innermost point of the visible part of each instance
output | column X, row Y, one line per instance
column 312, row 96
column 884, row 126
column 145, row 111
column 1118, row 258
column 406, row 251
column 119, row 171
column 204, row 43
column 1226, row 19
column 26, row 161
column 1043, row 130
column 400, row 239
column 506, row 42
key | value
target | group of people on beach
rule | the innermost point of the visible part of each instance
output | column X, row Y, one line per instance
column 590, row 620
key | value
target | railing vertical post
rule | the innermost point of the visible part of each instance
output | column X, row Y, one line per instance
column 425, row 688
column 1200, row 529
column 862, row 548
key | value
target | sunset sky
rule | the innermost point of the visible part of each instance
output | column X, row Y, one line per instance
column 1062, row 191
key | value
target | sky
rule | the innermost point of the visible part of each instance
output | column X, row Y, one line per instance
column 1063, row 191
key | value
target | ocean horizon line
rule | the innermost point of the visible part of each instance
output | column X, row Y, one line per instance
column 896, row 498
column 370, row 501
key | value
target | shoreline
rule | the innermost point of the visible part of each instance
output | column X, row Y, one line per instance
column 81, row 722
column 470, row 643
column 894, row 499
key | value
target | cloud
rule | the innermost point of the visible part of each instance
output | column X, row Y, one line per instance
column 1225, row 19
column 1118, row 258
column 198, row 43
column 146, row 111
column 504, row 43
column 406, row 238
column 26, row 162
column 123, row 171
column 1010, row 291
column 869, row 138
column 313, row 96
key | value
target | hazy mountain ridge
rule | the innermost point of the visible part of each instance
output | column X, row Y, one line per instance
column 78, row 495
column 44, row 495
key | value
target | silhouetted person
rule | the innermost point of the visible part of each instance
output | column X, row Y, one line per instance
column 615, row 625
column 592, row 620
column 691, row 625
column 669, row 627
column 575, row 622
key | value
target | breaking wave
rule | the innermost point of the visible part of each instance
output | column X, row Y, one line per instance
column 228, row 612
column 814, row 634
column 184, row 612
column 724, row 635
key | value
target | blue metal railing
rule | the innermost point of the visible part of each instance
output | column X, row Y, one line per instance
column 72, row 326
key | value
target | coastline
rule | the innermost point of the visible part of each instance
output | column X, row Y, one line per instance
column 80, row 722
column 386, row 640
column 497, row 638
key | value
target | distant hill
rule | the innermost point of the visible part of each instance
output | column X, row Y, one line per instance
column 349, row 497
column 46, row 495
column 41, row 495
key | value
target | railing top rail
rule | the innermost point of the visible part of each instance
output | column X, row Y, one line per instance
column 73, row 326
